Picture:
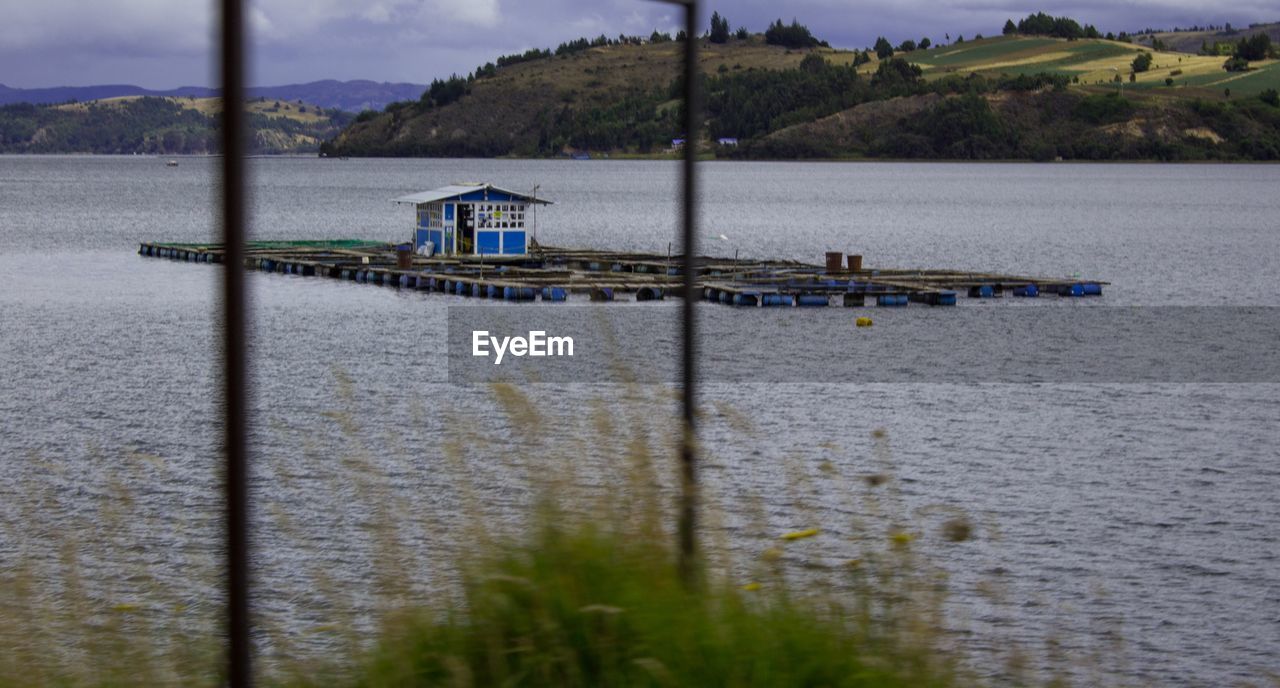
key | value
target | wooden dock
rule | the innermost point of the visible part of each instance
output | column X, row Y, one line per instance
column 560, row 274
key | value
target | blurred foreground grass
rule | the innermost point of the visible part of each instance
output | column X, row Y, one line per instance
column 586, row 606
column 578, row 589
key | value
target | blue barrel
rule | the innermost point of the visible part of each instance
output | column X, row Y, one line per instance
column 1092, row 289
column 711, row 294
column 267, row 265
column 616, row 267
column 408, row 280
column 517, row 293
column 726, row 297
column 477, row 290
column 946, row 298
column 346, row 274
column 777, row 300
column 593, row 267
column 1071, row 290
column 812, row 300
column 602, row 294
column 985, row 291
column 554, row 294
column 494, row 291
column 746, row 299
column 461, row 288
column 673, row 271
column 1030, row 291
column 649, row 294
column 891, row 300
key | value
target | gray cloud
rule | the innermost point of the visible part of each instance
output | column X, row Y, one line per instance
column 166, row 43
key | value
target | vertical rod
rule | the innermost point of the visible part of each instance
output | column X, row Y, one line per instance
column 688, row 459
column 235, row 380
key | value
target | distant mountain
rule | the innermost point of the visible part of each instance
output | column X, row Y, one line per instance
column 166, row 125
column 350, row 96
column 66, row 94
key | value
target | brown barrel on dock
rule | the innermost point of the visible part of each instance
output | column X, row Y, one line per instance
column 855, row 262
column 834, row 261
column 404, row 256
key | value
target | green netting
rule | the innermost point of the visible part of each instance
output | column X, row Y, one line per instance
column 285, row 245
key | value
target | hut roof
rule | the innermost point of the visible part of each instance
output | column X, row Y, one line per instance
column 445, row 193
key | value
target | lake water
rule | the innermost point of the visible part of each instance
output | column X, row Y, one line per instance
column 1134, row 525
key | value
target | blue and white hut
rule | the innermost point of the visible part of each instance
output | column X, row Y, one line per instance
column 473, row 219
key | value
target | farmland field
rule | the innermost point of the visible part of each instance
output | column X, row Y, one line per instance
column 1094, row 62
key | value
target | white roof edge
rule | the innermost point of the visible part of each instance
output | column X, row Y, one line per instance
column 446, row 192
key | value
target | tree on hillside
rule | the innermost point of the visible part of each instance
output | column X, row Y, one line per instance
column 925, row 43
column 1254, row 48
column 1041, row 24
column 908, row 46
column 1142, row 62
column 813, row 63
column 1236, row 64
column 742, row 33
column 884, row 49
column 794, row 36
column 896, row 71
column 719, row 29
column 1010, row 28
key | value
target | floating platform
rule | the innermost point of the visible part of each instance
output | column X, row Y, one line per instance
column 560, row 274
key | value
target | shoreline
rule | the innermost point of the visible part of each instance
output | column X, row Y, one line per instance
column 665, row 158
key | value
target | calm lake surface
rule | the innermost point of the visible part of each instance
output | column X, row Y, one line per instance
column 1134, row 525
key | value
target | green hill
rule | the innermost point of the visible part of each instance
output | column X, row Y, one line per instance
column 160, row 125
column 1008, row 97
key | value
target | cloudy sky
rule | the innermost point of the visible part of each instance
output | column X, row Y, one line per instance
column 167, row 43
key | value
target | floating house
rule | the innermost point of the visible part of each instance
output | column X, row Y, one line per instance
column 727, row 141
column 472, row 219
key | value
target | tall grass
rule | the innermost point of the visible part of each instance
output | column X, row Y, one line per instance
column 582, row 605
column 559, row 571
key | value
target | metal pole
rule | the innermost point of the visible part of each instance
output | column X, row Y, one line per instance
column 234, row 136
column 688, row 508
